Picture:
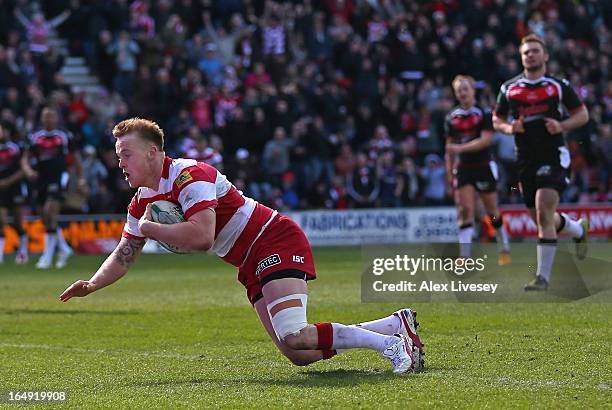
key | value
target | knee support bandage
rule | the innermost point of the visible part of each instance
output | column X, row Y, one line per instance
column 288, row 314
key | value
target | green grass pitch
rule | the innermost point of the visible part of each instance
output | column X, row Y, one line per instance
column 178, row 332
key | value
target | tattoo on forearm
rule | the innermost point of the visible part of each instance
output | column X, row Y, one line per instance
column 128, row 249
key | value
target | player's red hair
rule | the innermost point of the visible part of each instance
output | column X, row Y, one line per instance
column 533, row 38
column 148, row 130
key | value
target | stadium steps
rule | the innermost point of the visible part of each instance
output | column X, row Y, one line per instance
column 78, row 69
column 89, row 89
column 75, row 70
column 79, row 77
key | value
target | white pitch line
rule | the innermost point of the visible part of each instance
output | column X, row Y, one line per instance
column 106, row 351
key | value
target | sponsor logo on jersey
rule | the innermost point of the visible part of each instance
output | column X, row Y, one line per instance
column 266, row 263
column 532, row 110
column 183, row 178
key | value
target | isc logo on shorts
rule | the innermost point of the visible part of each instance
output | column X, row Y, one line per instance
column 266, row 263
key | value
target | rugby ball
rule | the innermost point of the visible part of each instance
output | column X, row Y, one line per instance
column 166, row 212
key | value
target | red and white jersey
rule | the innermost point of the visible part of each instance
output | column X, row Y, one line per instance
column 195, row 186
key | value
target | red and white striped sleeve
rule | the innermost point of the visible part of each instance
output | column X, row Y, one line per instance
column 195, row 188
column 136, row 209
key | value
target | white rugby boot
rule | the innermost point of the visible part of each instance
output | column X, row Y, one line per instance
column 408, row 328
column 62, row 257
column 400, row 354
column 45, row 261
column 581, row 243
column 21, row 258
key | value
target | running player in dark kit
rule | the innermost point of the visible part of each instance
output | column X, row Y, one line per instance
column 536, row 103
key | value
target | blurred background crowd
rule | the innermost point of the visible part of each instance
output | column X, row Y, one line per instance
column 303, row 104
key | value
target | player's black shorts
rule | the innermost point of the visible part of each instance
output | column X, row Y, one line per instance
column 14, row 195
column 51, row 188
column 482, row 177
column 552, row 172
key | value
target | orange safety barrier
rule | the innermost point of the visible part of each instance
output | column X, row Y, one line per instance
column 74, row 232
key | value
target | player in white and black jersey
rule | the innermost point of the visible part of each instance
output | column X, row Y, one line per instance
column 469, row 133
column 542, row 108
column 47, row 153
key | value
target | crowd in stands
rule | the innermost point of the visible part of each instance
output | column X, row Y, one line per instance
column 303, row 104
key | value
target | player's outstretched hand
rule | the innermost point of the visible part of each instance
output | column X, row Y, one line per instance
column 553, row 126
column 78, row 289
column 518, row 125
